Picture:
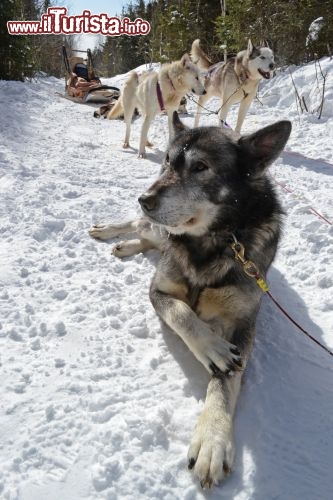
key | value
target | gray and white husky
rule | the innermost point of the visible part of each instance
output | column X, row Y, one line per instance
column 215, row 218
column 237, row 80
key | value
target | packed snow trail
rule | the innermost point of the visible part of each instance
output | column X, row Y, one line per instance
column 98, row 399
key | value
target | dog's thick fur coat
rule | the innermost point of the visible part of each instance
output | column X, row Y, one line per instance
column 235, row 81
column 212, row 191
column 175, row 80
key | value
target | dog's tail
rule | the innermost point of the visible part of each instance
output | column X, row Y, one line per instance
column 199, row 57
column 127, row 92
column 117, row 110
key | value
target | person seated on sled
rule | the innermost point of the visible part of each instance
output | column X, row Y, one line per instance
column 80, row 81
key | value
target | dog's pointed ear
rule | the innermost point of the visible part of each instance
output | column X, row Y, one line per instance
column 252, row 50
column 177, row 125
column 185, row 60
column 263, row 147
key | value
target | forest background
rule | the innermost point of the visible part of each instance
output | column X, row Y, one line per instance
column 220, row 24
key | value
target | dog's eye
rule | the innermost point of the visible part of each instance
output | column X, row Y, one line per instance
column 199, row 167
column 167, row 159
column 197, row 78
column 262, row 57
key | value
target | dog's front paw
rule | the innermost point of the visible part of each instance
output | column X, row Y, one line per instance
column 128, row 248
column 120, row 250
column 212, row 451
column 100, row 231
column 218, row 356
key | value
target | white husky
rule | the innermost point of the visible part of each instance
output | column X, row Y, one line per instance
column 154, row 92
column 237, row 80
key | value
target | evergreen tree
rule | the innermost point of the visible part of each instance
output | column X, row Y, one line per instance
column 285, row 24
column 15, row 51
column 174, row 25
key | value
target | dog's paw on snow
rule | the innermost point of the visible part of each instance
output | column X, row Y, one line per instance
column 211, row 453
column 103, row 231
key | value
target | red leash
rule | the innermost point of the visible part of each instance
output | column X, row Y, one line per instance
column 297, row 325
column 314, row 211
column 250, row 269
column 288, row 190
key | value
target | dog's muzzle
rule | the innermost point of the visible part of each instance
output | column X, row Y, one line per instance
column 202, row 93
column 148, row 202
column 265, row 74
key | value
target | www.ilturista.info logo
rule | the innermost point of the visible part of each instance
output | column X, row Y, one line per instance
column 56, row 22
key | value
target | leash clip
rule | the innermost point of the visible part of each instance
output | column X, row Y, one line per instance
column 239, row 250
column 249, row 267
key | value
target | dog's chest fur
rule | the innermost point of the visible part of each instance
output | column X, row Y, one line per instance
column 232, row 73
column 202, row 263
column 208, row 280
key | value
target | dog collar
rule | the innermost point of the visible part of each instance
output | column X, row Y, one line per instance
column 159, row 93
column 171, row 82
column 159, row 96
column 243, row 76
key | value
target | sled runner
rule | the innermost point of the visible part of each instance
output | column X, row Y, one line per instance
column 82, row 85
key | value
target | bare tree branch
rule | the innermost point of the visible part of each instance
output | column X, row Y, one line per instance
column 299, row 103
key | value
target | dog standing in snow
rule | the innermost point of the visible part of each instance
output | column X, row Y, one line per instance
column 153, row 92
column 237, row 80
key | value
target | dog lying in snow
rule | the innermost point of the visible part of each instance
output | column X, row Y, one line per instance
column 216, row 219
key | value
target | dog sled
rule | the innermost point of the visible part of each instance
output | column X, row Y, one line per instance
column 82, row 84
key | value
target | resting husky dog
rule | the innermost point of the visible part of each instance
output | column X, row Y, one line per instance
column 155, row 92
column 212, row 202
column 235, row 81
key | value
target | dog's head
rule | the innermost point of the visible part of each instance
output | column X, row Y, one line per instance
column 189, row 76
column 261, row 60
column 209, row 175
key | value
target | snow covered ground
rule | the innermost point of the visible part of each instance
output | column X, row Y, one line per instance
column 98, row 400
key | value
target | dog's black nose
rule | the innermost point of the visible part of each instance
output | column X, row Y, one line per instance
column 204, row 92
column 271, row 66
column 148, row 201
